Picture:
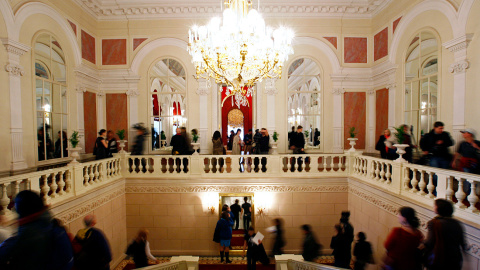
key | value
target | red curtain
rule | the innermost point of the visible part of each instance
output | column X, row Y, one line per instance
column 229, row 105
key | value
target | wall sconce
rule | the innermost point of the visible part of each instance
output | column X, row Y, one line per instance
column 212, row 209
column 261, row 210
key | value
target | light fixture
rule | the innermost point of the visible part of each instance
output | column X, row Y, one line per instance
column 261, row 210
column 239, row 52
column 212, row 209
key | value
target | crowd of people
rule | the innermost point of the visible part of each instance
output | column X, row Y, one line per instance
column 435, row 148
column 47, row 149
column 258, row 143
column 406, row 246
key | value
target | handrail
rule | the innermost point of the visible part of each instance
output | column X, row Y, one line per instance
column 417, row 183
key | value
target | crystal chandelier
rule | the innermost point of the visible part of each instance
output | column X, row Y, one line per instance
column 239, row 52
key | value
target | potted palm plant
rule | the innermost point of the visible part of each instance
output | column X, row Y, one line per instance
column 353, row 141
column 195, row 143
column 74, row 149
column 275, row 143
column 400, row 136
column 122, row 141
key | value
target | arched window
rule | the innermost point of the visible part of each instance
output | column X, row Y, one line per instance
column 168, row 101
column 51, row 104
column 304, row 98
column 421, row 81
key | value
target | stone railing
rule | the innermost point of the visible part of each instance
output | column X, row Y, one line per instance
column 416, row 183
column 422, row 184
column 59, row 184
column 236, row 166
column 177, row 263
column 296, row 262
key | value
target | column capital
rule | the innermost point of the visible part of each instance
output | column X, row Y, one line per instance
column 15, row 47
column 458, row 44
column 132, row 93
column 459, row 67
column 391, row 86
column 338, row 91
column 15, row 70
column 371, row 92
column 81, row 89
column 101, row 93
column 270, row 88
column 203, row 87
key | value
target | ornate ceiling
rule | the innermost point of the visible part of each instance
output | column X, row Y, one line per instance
column 151, row 9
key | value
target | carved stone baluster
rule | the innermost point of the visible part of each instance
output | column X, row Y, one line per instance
column 61, row 183
column 422, row 183
column 68, row 181
column 53, row 186
column 460, row 194
column 388, row 174
column 430, row 186
column 449, row 192
column 97, row 172
column 5, row 201
column 217, row 165
column 382, row 172
column 44, row 189
column 86, row 176
column 414, row 181
column 109, row 170
column 92, row 174
column 16, row 189
column 324, row 163
column 406, row 178
column 473, row 198
column 332, row 164
column 377, row 170
column 365, row 167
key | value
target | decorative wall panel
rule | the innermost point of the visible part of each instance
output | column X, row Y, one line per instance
column 114, row 52
column 137, row 42
column 88, row 47
column 332, row 40
column 355, row 116
column 355, row 50
column 380, row 44
column 117, row 113
column 90, row 118
column 381, row 111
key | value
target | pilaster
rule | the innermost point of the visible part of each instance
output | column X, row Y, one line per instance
column 271, row 92
column 391, row 105
column 337, row 120
column 101, row 121
column 371, row 116
column 203, row 91
column 132, row 109
column 80, row 116
column 15, row 71
column 458, row 47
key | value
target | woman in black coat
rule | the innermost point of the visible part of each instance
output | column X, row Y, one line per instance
column 279, row 242
column 381, row 143
column 101, row 146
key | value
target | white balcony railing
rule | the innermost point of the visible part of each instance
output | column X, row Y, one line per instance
column 417, row 183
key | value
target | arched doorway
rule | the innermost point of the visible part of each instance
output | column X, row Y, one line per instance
column 228, row 106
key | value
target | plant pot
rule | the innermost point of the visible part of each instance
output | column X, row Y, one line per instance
column 196, row 146
column 122, row 145
column 163, row 144
column 352, row 144
column 274, row 148
column 400, row 152
column 73, row 152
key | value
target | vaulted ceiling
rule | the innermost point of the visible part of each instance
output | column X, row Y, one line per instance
column 151, row 9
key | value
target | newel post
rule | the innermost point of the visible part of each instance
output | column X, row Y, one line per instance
column 398, row 171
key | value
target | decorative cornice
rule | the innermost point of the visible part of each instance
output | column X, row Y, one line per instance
column 458, row 44
column 132, row 93
column 234, row 189
column 338, row 91
column 83, row 209
column 15, row 47
column 15, row 70
column 270, row 88
column 391, row 86
column 135, row 10
column 459, row 67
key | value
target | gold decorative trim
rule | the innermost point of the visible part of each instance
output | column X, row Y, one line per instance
column 236, row 189
column 81, row 210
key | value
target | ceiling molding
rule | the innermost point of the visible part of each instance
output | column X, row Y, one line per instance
column 143, row 10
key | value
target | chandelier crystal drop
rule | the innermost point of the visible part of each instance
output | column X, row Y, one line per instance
column 240, row 51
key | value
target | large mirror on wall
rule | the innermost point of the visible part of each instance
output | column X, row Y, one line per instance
column 421, row 81
column 51, row 104
column 304, row 101
column 168, row 104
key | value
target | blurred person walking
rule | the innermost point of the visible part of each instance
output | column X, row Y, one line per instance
column 311, row 247
column 445, row 241
column 403, row 243
column 139, row 248
column 341, row 249
column 223, row 235
column 101, row 147
column 362, row 252
column 436, row 144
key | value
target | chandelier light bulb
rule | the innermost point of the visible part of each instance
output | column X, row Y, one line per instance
column 239, row 50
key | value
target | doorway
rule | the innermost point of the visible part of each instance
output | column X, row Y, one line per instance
column 238, row 234
column 234, row 117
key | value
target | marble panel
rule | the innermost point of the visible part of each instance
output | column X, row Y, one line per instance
column 355, row 116
column 74, row 27
column 88, row 47
column 90, row 119
column 137, row 42
column 395, row 24
column 380, row 44
column 332, row 40
column 114, row 51
column 381, row 111
column 355, row 50
column 117, row 113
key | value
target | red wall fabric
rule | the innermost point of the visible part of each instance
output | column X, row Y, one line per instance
column 117, row 114
column 355, row 116
column 230, row 105
column 381, row 112
column 88, row 47
column 90, row 120
column 380, row 44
